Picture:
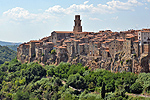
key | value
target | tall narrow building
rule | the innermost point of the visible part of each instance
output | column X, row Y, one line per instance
column 77, row 27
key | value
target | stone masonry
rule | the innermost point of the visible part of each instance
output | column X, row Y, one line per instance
column 115, row 51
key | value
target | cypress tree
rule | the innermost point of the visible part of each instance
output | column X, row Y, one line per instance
column 103, row 90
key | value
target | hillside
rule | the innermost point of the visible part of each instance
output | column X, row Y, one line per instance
column 6, row 54
column 13, row 47
column 31, row 81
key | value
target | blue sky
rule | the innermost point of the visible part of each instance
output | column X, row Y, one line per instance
column 25, row 20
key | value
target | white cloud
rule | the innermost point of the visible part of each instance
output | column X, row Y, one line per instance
column 148, row 0
column 56, row 9
column 146, row 8
column 19, row 13
column 113, row 6
column 115, row 18
column 109, row 7
column 118, row 5
column 97, row 19
column 86, row 2
column 72, row 9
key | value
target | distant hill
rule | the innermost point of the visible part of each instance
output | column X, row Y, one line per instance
column 3, row 43
column 11, row 45
column 6, row 54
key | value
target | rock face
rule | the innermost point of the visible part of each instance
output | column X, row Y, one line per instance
column 114, row 51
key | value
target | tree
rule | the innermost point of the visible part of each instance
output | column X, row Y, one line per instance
column 103, row 90
column 77, row 81
column 34, row 71
column 136, row 88
column 53, row 51
column 110, row 86
column 144, row 80
column 91, row 86
column 20, row 95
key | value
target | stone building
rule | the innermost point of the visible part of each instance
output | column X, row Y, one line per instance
column 77, row 27
column 59, row 35
column 144, row 37
column 115, row 51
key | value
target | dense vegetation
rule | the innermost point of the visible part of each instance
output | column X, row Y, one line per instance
column 31, row 81
column 6, row 54
column 13, row 47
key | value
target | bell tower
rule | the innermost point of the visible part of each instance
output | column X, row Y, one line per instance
column 77, row 27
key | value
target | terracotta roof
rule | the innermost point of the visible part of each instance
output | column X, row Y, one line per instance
column 81, row 44
column 103, row 42
column 120, row 39
column 77, row 40
column 107, row 50
column 81, row 32
column 72, row 36
column 110, row 39
column 84, row 37
column 44, row 38
column 104, row 37
column 145, row 31
column 35, row 41
column 58, row 41
column 55, row 46
column 95, row 42
column 49, row 42
column 67, row 41
column 63, row 31
column 128, row 35
column 90, row 35
column 107, row 41
column 62, row 47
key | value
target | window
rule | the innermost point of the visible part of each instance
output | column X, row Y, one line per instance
column 144, row 37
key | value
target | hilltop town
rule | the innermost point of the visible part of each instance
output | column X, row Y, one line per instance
column 115, row 51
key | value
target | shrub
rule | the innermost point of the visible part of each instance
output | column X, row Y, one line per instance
column 53, row 51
